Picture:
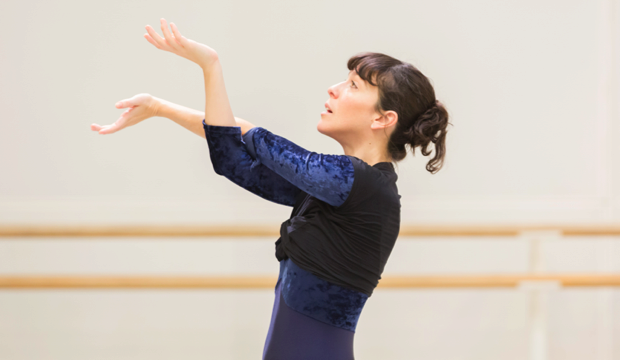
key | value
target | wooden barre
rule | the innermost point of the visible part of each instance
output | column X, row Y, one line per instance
column 264, row 282
column 28, row 231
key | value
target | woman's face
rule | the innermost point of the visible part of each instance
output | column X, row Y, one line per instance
column 352, row 103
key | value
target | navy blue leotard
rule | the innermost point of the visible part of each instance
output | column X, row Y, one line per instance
column 312, row 318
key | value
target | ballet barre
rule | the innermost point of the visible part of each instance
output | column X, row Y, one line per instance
column 536, row 281
column 268, row 282
column 206, row 231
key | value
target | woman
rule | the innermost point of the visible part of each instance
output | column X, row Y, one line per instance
column 346, row 208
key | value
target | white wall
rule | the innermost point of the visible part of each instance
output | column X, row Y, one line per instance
column 532, row 89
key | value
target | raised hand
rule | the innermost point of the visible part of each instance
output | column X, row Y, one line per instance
column 178, row 44
column 140, row 107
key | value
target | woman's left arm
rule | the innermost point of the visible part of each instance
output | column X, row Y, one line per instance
column 228, row 153
column 326, row 177
column 231, row 158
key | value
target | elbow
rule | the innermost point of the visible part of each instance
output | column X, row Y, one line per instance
column 217, row 170
column 248, row 139
column 217, row 166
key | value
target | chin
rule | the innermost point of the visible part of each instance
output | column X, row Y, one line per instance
column 322, row 127
column 326, row 130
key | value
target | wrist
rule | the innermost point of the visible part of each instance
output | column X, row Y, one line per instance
column 210, row 66
column 160, row 107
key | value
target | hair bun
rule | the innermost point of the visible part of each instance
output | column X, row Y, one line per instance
column 434, row 105
column 428, row 127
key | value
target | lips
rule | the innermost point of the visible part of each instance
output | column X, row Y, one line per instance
column 329, row 110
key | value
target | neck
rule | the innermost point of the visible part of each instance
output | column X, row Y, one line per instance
column 372, row 152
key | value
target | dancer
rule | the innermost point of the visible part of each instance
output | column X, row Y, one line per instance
column 345, row 208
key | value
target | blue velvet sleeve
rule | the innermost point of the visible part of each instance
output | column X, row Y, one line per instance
column 326, row 177
column 231, row 159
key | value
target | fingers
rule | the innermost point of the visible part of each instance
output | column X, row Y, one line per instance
column 118, row 124
column 103, row 130
column 169, row 38
column 108, row 129
column 171, row 41
column 159, row 42
column 150, row 39
column 177, row 35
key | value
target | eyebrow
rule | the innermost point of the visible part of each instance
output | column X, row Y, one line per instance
column 356, row 75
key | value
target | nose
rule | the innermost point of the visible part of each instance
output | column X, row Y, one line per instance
column 334, row 90
column 330, row 91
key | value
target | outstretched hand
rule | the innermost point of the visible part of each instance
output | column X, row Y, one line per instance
column 144, row 106
column 178, row 44
column 141, row 107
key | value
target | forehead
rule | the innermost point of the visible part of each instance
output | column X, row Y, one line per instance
column 354, row 75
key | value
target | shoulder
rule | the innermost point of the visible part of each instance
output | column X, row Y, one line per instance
column 380, row 173
column 371, row 182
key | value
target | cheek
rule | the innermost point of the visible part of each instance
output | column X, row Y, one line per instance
column 352, row 112
column 353, row 107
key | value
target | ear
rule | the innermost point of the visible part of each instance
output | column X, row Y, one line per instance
column 388, row 119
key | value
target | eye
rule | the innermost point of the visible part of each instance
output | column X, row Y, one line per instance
column 353, row 83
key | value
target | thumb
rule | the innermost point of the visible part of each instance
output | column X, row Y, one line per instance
column 122, row 104
column 138, row 99
column 127, row 103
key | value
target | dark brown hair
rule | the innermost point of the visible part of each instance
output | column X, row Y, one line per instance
column 422, row 119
